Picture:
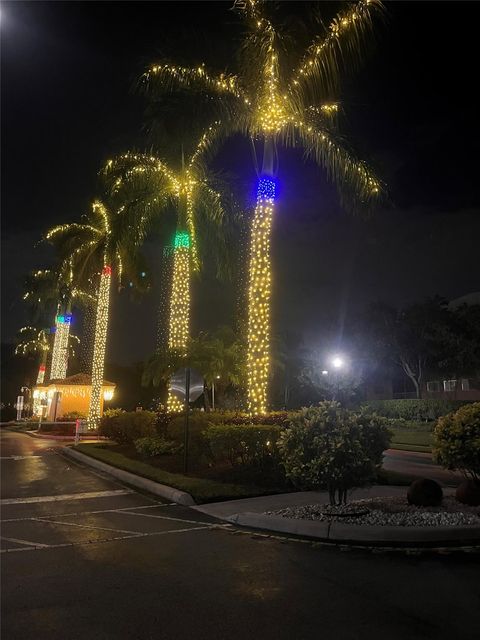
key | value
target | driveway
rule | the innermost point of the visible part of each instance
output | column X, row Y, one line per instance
column 84, row 557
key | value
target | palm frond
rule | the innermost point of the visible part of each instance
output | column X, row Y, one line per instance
column 343, row 45
column 166, row 77
column 358, row 187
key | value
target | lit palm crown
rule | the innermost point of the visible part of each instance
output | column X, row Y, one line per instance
column 106, row 237
column 156, row 184
column 34, row 341
column 277, row 101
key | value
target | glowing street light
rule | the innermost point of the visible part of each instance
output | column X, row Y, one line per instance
column 338, row 362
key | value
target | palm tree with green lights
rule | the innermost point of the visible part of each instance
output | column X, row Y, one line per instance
column 105, row 243
column 199, row 211
column 275, row 102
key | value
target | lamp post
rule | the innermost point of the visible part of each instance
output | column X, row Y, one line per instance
column 213, row 392
column 338, row 363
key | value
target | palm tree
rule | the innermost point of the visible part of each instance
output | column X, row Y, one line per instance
column 273, row 102
column 199, row 211
column 106, row 243
column 52, row 292
column 219, row 357
column 36, row 342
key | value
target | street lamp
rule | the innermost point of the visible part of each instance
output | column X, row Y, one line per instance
column 213, row 392
column 338, row 363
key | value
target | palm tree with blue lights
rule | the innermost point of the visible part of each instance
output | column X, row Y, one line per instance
column 275, row 103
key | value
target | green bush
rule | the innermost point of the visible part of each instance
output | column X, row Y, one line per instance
column 126, row 427
column 253, row 444
column 110, row 413
column 421, row 409
column 57, row 427
column 329, row 447
column 72, row 416
column 457, row 440
column 156, row 446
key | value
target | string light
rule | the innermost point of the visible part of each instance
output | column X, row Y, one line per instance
column 99, row 347
column 60, row 347
column 179, row 304
column 259, row 293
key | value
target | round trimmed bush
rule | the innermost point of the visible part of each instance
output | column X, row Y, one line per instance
column 425, row 493
column 469, row 493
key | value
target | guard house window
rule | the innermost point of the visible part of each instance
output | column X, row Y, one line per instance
column 434, row 386
column 465, row 384
column 449, row 385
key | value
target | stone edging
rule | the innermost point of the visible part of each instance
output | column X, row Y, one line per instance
column 336, row 532
column 175, row 495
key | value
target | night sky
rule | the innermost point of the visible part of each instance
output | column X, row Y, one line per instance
column 68, row 105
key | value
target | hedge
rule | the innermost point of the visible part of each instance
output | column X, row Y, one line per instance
column 252, row 444
column 415, row 409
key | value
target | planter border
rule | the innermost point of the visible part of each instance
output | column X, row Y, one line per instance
column 338, row 533
column 163, row 490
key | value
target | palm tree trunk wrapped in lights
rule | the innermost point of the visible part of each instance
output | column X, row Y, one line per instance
column 60, row 346
column 179, row 329
column 99, row 347
column 259, row 292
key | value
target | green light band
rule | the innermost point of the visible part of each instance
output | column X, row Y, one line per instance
column 182, row 239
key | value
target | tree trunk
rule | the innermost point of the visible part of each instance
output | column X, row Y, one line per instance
column 179, row 323
column 259, row 295
column 99, row 347
column 59, row 366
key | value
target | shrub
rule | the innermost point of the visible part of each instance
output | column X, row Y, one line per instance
column 327, row 446
column 421, row 409
column 468, row 493
column 110, row 413
column 253, row 444
column 72, row 416
column 58, row 428
column 457, row 440
column 156, row 446
column 425, row 493
column 126, row 427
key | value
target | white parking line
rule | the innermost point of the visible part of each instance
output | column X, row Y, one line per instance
column 86, row 513
column 67, row 496
column 27, row 542
column 85, row 526
column 39, row 547
column 18, row 457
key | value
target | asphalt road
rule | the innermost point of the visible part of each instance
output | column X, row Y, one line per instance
column 84, row 557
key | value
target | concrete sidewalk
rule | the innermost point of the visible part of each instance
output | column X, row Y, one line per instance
column 298, row 499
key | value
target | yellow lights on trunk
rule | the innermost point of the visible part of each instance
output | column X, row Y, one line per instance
column 99, row 347
column 60, row 347
column 259, row 293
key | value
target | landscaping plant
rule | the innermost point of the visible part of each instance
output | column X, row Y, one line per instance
column 329, row 447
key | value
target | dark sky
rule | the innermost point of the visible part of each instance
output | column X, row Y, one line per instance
column 68, row 105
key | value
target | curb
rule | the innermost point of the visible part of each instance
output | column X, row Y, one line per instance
column 336, row 532
column 46, row 436
column 174, row 495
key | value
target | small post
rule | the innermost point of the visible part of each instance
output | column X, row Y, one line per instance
column 187, row 411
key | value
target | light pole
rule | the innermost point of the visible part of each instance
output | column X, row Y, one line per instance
column 213, row 392
column 338, row 363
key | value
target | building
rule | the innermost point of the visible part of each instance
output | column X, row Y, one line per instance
column 58, row 398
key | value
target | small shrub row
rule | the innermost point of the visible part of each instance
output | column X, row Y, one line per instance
column 422, row 409
column 156, row 446
column 128, row 426
column 242, row 444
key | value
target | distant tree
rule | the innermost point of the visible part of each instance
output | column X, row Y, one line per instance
column 427, row 336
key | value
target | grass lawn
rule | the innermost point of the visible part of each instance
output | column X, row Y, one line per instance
column 201, row 489
column 412, row 440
